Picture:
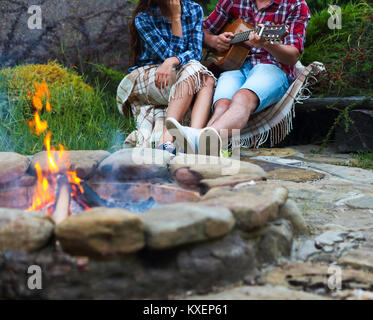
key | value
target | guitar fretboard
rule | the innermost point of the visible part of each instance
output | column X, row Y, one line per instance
column 272, row 33
column 241, row 37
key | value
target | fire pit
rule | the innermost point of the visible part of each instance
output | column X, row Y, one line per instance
column 137, row 223
column 149, row 238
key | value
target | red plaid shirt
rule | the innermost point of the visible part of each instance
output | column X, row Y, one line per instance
column 293, row 13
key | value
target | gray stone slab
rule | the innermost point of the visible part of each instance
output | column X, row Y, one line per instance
column 306, row 250
column 252, row 206
column 364, row 202
column 101, row 232
column 361, row 258
column 135, row 164
column 352, row 174
column 329, row 238
column 176, row 224
column 12, row 166
column 24, row 231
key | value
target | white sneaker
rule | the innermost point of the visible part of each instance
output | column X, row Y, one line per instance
column 209, row 142
column 186, row 139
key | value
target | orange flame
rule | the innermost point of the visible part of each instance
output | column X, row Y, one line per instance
column 42, row 194
column 37, row 126
column 56, row 161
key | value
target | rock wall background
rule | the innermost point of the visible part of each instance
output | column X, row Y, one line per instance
column 73, row 32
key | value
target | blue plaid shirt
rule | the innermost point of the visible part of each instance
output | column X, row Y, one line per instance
column 158, row 43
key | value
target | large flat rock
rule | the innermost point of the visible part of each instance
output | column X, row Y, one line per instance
column 214, row 167
column 201, row 173
column 135, row 164
column 296, row 175
column 83, row 162
column 330, row 237
column 363, row 202
column 24, row 231
column 176, row 224
column 252, row 206
column 12, row 166
column 278, row 168
column 101, row 232
column 352, row 174
column 361, row 258
column 267, row 152
column 231, row 180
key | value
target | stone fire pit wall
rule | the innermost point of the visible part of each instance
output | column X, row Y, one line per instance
column 238, row 222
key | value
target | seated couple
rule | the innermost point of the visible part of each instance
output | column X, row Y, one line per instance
column 167, row 41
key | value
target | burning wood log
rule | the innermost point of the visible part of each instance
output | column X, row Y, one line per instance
column 62, row 204
column 92, row 198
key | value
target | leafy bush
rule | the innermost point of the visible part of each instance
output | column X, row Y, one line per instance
column 82, row 117
column 319, row 5
column 22, row 78
column 314, row 5
column 347, row 53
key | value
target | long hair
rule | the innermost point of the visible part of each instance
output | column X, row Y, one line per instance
column 142, row 6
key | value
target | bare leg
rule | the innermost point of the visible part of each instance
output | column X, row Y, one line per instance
column 177, row 109
column 202, row 105
column 243, row 104
column 221, row 106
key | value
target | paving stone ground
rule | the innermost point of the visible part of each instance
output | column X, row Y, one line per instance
column 336, row 202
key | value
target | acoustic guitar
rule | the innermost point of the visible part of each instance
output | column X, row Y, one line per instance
column 236, row 56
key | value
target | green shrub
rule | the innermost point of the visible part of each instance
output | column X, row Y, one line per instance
column 314, row 5
column 347, row 53
column 319, row 5
column 82, row 117
column 21, row 79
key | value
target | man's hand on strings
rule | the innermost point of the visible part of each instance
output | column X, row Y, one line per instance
column 256, row 41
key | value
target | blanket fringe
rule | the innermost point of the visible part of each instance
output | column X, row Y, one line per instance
column 275, row 134
column 194, row 82
column 279, row 131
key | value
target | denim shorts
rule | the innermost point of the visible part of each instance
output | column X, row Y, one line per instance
column 268, row 81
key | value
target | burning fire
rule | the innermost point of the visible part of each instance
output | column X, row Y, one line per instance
column 57, row 161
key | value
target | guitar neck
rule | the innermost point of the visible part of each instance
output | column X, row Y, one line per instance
column 272, row 33
column 241, row 37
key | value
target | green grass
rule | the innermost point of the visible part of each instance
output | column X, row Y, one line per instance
column 87, row 121
column 106, row 78
column 363, row 160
